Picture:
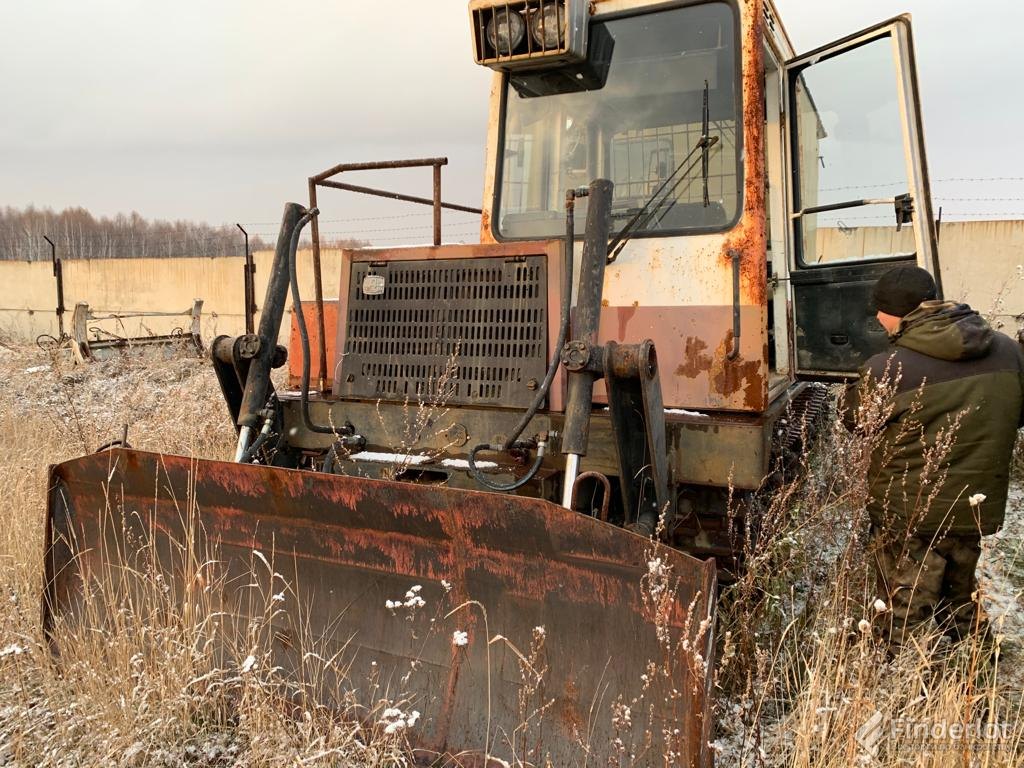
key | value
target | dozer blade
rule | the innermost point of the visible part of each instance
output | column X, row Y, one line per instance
column 619, row 674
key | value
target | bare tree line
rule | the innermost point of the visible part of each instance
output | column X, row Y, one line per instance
column 80, row 235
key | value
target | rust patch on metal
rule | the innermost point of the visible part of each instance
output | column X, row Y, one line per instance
column 750, row 237
column 625, row 315
column 350, row 544
column 570, row 715
column 486, row 236
column 695, row 362
column 685, row 338
column 730, row 376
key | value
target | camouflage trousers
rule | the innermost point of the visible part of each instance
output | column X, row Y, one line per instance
column 923, row 577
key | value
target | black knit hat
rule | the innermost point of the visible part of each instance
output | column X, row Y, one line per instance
column 902, row 289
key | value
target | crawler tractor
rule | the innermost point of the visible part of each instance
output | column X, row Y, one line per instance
column 681, row 224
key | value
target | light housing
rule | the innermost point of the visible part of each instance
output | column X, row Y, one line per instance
column 547, row 25
column 554, row 33
column 505, row 31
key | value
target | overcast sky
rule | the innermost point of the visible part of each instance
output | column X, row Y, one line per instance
column 218, row 110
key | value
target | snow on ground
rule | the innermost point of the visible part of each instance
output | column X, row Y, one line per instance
column 1001, row 580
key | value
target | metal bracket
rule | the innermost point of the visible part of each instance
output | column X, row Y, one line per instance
column 904, row 210
column 637, row 414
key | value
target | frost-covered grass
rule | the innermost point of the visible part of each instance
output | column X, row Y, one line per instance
column 802, row 679
column 166, row 682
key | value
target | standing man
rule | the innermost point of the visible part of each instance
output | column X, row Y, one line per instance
column 952, row 381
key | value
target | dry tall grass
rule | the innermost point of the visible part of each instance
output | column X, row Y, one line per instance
column 150, row 684
column 803, row 681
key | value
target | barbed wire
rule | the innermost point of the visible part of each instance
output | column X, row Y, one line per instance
column 980, row 199
column 463, row 226
column 883, row 222
column 903, row 182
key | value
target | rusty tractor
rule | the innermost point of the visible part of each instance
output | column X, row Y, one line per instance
column 546, row 423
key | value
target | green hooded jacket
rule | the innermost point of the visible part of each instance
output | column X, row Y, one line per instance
column 946, row 362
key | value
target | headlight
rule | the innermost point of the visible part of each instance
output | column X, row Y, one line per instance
column 505, row 31
column 548, row 26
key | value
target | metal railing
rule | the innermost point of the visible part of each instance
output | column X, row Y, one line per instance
column 327, row 179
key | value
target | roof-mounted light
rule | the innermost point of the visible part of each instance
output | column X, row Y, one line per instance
column 547, row 25
column 505, row 31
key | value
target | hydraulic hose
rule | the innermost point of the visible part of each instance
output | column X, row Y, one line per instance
column 504, row 488
column 300, row 321
column 549, row 377
column 254, row 449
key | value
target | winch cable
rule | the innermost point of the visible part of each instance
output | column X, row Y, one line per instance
column 549, row 377
column 300, row 320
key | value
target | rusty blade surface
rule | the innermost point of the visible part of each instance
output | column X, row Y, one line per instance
column 614, row 635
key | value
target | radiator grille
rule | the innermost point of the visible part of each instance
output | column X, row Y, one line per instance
column 476, row 326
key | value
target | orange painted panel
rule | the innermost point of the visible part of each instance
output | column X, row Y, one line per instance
column 295, row 345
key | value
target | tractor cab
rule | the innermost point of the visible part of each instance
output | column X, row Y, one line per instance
column 772, row 189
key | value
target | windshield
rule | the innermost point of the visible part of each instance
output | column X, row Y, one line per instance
column 667, row 72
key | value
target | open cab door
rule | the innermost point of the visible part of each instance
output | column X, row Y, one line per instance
column 859, row 202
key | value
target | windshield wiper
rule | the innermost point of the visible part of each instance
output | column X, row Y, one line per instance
column 644, row 216
column 705, row 155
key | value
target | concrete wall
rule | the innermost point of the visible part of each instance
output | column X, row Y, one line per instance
column 980, row 262
column 28, row 292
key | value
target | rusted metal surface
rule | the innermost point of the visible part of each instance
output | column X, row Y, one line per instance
column 695, row 370
column 347, row 546
column 746, row 359
column 606, row 492
column 93, row 342
column 396, row 196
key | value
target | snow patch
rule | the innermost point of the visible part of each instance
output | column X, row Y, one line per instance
column 390, row 458
column 684, row 412
column 395, row 720
column 11, row 650
column 463, row 464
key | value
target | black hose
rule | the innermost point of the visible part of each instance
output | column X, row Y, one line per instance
column 500, row 487
column 556, row 358
column 300, row 321
column 258, row 443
